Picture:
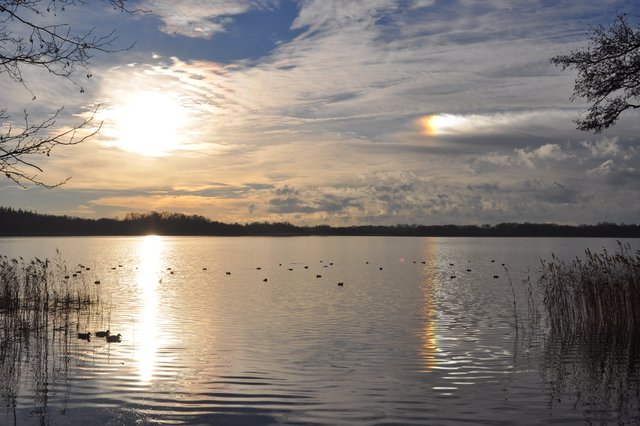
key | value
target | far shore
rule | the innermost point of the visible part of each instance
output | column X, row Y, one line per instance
column 20, row 223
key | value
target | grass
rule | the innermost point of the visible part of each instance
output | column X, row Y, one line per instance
column 598, row 295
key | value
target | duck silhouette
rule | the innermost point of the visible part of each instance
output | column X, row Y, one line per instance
column 84, row 336
column 102, row 333
column 114, row 338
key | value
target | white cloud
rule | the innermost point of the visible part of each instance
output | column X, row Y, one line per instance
column 547, row 152
column 605, row 168
column 200, row 18
column 339, row 13
column 605, row 147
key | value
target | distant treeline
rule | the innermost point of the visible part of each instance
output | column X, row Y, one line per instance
column 25, row 223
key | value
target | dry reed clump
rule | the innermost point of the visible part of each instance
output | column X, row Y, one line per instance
column 597, row 296
column 33, row 293
column 39, row 300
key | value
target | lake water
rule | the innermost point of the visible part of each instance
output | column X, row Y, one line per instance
column 420, row 332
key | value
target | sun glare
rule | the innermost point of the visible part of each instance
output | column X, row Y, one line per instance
column 438, row 124
column 147, row 123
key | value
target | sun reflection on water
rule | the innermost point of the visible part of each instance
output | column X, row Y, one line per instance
column 149, row 270
column 429, row 288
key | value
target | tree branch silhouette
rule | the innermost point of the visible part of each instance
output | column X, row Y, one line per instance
column 27, row 41
column 608, row 73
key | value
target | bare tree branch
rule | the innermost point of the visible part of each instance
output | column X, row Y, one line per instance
column 26, row 41
column 19, row 146
column 608, row 73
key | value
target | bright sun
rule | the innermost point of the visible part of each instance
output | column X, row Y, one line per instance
column 147, row 123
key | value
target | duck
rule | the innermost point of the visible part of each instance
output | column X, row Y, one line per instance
column 114, row 338
column 102, row 333
column 84, row 336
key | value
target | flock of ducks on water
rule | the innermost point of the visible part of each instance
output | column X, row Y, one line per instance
column 110, row 338
column 117, row 338
column 340, row 284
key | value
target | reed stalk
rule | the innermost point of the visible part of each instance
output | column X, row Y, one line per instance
column 597, row 295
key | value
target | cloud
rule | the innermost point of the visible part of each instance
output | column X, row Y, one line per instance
column 606, row 147
column 547, row 152
column 529, row 157
column 201, row 18
column 605, row 168
column 371, row 112
column 316, row 14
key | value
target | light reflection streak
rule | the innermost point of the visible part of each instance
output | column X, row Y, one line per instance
column 146, row 338
column 429, row 287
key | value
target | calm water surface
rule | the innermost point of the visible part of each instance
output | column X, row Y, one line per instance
column 420, row 333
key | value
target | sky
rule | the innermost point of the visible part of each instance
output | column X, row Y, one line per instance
column 340, row 112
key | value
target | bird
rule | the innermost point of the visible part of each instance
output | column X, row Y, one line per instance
column 114, row 338
column 265, row 280
column 340, row 284
column 102, row 333
column 84, row 336
column 96, row 282
column 228, row 273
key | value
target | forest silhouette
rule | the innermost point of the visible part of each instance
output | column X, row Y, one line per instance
column 26, row 223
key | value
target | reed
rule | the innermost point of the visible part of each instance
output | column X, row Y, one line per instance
column 595, row 296
column 36, row 294
column 38, row 304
